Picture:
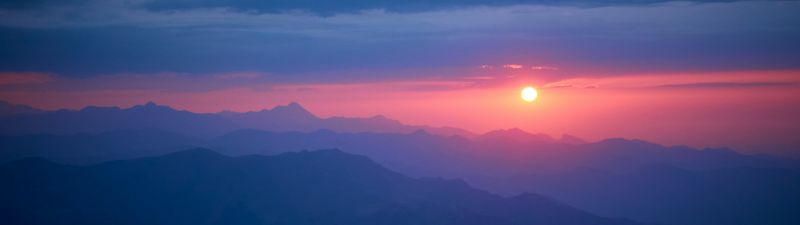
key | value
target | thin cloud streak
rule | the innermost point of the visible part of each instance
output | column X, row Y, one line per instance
column 24, row 78
column 729, row 85
column 711, row 80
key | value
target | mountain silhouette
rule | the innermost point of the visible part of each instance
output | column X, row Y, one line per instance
column 291, row 117
column 8, row 109
column 94, row 119
column 514, row 135
column 200, row 186
column 613, row 177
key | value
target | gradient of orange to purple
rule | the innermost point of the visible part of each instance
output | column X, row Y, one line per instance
column 745, row 110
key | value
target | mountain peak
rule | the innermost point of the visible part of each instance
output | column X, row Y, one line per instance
column 7, row 108
column 150, row 106
column 420, row 132
column 294, row 105
column 292, row 108
column 570, row 139
column 379, row 117
column 92, row 108
column 514, row 134
column 623, row 141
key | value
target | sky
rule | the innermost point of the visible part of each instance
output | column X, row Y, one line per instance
column 699, row 73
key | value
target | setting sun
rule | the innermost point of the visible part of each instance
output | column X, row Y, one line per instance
column 529, row 94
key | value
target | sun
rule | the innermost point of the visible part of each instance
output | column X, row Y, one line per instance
column 529, row 94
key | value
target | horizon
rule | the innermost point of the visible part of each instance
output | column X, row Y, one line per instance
column 472, row 133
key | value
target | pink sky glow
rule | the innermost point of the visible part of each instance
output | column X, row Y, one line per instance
column 746, row 110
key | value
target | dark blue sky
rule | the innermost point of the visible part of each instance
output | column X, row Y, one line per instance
column 329, row 40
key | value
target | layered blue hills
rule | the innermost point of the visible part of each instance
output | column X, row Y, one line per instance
column 615, row 178
column 200, row 186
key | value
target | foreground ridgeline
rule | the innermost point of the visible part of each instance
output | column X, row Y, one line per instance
column 200, row 186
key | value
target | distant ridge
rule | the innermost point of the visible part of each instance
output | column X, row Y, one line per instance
column 290, row 117
column 8, row 109
column 514, row 135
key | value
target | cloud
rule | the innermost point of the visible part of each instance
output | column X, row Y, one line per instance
column 245, row 75
column 331, row 7
column 112, row 37
column 481, row 78
column 36, row 4
column 706, row 85
column 512, row 66
column 157, row 82
column 327, row 7
column 544, row 68
column 708, row 80
column 573, row 83
column 24, row 78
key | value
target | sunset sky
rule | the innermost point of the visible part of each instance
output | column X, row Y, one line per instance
column 699, row 73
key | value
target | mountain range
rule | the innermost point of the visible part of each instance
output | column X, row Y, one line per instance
column 19, row 119
column 615, row 177
column 202, row 187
